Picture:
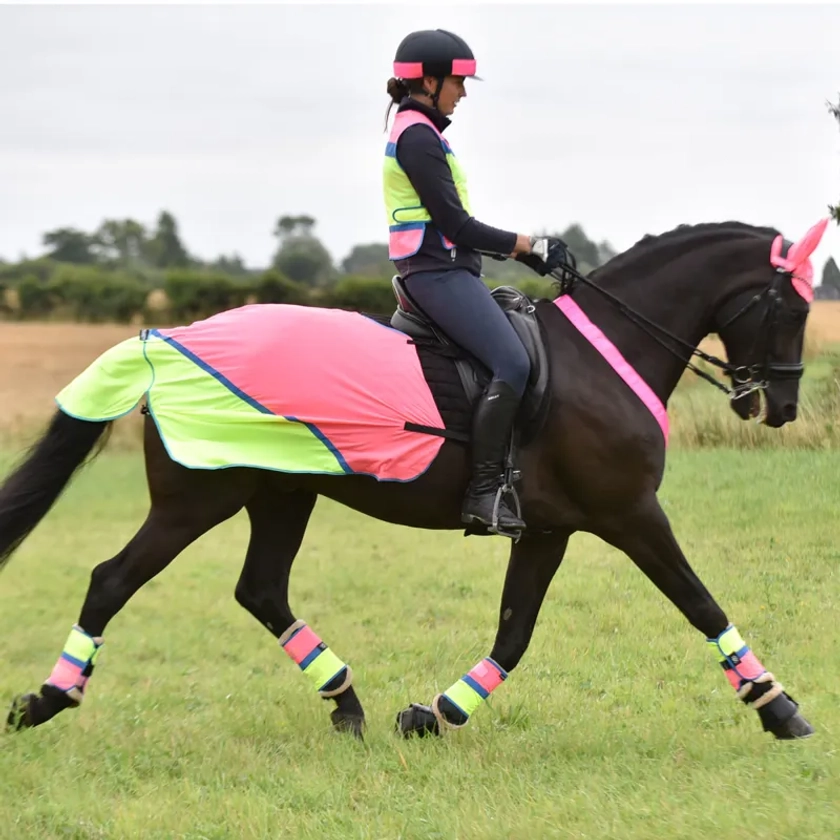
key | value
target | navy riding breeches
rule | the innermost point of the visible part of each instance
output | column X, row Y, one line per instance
column 461, row 305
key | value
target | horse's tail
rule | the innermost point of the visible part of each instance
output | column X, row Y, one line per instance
column 47, row 467
column 107, row 389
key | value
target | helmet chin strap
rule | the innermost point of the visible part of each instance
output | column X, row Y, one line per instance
column 436, row 94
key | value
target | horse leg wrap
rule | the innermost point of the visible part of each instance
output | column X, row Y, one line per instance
column 75, row 665
column 454, row 707
column 325, row 670
column 754, row 684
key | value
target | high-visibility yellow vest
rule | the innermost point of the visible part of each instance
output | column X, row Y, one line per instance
column 407, row 217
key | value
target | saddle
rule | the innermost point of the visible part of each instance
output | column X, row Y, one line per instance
column 475, row 377
column 410, row 319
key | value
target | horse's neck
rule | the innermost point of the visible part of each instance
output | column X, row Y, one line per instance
column 676, row 297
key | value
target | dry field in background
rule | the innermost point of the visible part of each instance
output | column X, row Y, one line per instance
column 39, row 359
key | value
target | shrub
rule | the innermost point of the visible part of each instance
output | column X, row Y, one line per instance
column 362, row 294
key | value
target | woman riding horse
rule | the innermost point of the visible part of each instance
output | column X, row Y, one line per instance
column 618, row 343
column 436, row 244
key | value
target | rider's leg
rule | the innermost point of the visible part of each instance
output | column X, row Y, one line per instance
column 461, row 305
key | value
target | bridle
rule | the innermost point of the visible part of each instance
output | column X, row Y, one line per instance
column 746, row 379
column 761, row 375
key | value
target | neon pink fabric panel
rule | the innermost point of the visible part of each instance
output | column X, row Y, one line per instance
column 414, row 69
column 749, row 667
column 487, row 675
column 357, row 381
column 65, row 674
column 408, row 69
column 406, row 119
column 405, row 243
column 797, row 261
column 619, row 364
column 463, row 67
column 302, row 644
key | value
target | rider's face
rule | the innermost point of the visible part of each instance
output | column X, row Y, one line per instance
column 453, row 90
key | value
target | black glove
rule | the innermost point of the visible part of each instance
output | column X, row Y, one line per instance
column 547, row 254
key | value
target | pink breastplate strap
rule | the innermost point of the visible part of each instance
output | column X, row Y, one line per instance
column 618, row 363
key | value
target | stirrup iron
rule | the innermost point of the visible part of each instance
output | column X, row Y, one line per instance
column 511, row 476
column 494, row 528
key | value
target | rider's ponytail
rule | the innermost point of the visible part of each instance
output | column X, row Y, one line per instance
column 398, row 89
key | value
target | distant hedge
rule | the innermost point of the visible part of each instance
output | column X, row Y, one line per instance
column 75, row 293
column 42, row 290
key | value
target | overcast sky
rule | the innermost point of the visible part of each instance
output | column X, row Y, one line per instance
column 628, row 119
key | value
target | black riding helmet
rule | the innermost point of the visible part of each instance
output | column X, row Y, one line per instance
column 434, row 52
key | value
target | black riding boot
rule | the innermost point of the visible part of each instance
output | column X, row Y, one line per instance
column 492, row 424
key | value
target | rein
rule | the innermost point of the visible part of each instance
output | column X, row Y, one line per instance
column 743, row 376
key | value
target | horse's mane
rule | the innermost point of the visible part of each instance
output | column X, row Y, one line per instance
column 679, row 235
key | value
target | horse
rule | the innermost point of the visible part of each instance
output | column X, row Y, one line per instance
column 614, row 346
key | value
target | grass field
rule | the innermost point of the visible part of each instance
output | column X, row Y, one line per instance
column 617, row 724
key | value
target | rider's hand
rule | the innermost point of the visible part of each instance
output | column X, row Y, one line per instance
column 547, row 254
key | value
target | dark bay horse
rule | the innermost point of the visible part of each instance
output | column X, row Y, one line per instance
column 594, row 466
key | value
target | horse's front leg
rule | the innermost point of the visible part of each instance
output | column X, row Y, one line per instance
column 646, row 537
column 532, row 565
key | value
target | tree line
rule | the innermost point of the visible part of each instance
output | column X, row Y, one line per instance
column 124, row 272
column 127, row 271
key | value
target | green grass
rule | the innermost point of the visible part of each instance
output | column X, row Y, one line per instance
column 617, row 724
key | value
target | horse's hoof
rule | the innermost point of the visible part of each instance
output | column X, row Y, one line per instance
column 19, row 716
column 417, row 720
column 342, row 722
column 794, row 727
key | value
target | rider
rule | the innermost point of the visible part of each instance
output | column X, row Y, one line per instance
column 435, row 244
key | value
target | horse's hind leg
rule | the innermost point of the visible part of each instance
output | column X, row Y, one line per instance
column 648, row 540
column 278, row 524
column 185, row 505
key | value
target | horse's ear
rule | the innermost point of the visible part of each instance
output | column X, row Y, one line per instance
column 806, row 246
column 797, row 262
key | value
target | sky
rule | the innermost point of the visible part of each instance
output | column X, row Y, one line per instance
column 628, row 119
